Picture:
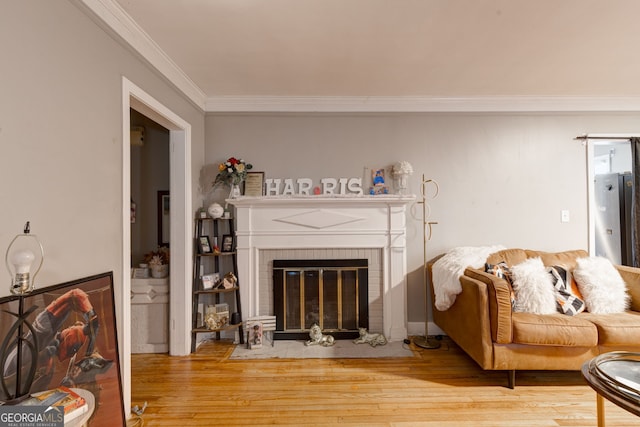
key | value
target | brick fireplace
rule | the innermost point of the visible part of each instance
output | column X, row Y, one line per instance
column 326, row 227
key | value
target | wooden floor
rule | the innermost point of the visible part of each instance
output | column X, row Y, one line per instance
column 437, row 388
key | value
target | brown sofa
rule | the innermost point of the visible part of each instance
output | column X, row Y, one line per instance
column 483, row 324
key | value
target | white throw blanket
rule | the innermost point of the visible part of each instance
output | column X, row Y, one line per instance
column 448, row 269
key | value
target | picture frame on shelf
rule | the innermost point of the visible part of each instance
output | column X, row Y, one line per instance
column 227, row 243
column 164, row 212
column 254, row 184
column 204, row 245
column 209, row 281
column 254, row 334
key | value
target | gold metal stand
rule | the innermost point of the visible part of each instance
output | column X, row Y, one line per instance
column 425, row 342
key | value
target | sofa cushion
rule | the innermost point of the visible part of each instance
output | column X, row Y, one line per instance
column 516, row 256
column 601, row 285
column 570, row 300
column 620, row 329
column 501, row 270
column 567, row 259
column 533, row 287
column 510, row 257
column 554, row 330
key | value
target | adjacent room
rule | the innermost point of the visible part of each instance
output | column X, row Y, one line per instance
column 322, row 212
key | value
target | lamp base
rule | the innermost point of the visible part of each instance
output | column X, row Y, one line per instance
column 426, row 343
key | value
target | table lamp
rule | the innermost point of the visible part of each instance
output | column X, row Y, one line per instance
column 24, row 259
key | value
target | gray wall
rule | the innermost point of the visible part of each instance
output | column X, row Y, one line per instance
column 504, row 178
column 61, row 125
column 61, row 135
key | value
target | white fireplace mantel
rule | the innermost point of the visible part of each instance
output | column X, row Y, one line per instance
column 315, row 222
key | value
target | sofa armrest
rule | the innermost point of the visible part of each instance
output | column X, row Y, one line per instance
column 499, row 299
column 631, row 276
column 466, row 322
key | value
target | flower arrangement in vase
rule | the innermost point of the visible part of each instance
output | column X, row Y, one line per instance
column 401, row 171
column 158, row 261
column 232, row 172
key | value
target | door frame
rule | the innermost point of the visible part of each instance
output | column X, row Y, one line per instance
column 181, row 238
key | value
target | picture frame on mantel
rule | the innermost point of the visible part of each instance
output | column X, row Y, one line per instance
column 254, row 184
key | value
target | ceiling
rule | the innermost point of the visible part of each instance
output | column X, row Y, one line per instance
column 314, row 50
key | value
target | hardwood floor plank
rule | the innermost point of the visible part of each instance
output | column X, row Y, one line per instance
column 441, row 387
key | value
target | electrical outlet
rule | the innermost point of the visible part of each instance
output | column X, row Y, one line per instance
column 564, row 216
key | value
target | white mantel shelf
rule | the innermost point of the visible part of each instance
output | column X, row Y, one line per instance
column 299, row 200
column 326, row 221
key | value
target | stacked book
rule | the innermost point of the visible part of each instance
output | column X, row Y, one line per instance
column 74, row 405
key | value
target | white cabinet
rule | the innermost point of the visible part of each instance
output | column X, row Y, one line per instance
column 150, row 315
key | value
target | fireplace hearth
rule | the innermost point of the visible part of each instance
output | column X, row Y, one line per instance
column 330, row 293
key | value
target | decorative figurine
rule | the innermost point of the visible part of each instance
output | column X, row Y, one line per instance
column 215, row 210
column 318, row 338
column 371, row 339
column 229, row 281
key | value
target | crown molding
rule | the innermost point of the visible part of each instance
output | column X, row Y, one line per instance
column 400, row 104
column 111, row 16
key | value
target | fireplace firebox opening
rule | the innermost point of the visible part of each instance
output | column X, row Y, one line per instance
column 331, row 293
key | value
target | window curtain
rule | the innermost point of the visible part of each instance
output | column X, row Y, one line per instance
column 635, row 200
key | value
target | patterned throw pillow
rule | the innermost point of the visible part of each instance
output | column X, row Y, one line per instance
column 569, row 298
column 502, row 271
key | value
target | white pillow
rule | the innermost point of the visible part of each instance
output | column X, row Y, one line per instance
column 601, row 285
column 533, row 288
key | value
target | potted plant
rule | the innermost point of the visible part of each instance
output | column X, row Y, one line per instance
column 158, row 262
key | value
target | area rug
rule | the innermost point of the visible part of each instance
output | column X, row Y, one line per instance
column 343, row 349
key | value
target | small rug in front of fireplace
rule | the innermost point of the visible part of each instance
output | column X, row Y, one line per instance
column 343, row 349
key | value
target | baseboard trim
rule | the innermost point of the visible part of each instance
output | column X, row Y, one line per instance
column 417, row 329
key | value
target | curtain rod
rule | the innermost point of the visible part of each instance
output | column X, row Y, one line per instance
column 607, row 136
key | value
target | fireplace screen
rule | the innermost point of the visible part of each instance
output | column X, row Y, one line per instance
column 330, row 293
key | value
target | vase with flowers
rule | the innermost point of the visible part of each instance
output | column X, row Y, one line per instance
column 401, row 171
column 232, row 172
column 158, row 262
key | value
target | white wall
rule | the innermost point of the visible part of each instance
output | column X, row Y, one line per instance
column 504, row 178
column 61, row 137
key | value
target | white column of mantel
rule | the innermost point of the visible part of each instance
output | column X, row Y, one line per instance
column 254, row 234
column 394, row 304
column 247, row 258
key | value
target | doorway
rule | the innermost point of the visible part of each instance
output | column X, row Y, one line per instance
column 609, row 176
column 150, row 234
column 181, row 235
